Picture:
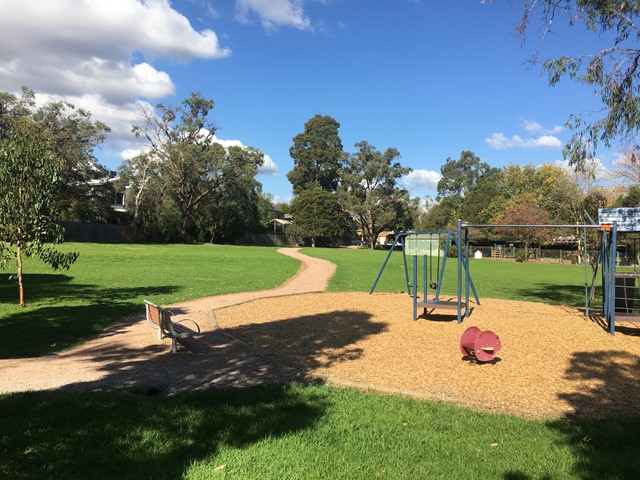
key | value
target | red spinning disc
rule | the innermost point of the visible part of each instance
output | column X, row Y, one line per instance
column 487, row 346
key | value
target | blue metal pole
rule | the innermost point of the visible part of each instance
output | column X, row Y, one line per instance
column 459, row 246
column 586, row 277
column 444, row 262
column 604, row 249
column 384, row 265
column 612, row 278
column 404, row 259
column 424, row 278
column 473, row 288
column 466, row 275
column 414, row 288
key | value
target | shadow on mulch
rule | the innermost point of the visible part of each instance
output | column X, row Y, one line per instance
column 257, row 353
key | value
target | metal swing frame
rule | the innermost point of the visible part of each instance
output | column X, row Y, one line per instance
column 425, row 303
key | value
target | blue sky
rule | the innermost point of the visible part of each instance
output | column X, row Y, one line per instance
column 428, row 78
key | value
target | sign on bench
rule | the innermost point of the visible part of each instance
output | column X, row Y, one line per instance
column 161, row 320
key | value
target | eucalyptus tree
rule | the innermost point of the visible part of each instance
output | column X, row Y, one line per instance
column 317, row 154
column 234, row 208
column 613, row 71
column 317, row 213
column 370, row 191
column 30, row 176
column 74, row 137
column 191, row 162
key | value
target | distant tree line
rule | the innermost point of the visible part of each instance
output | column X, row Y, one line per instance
column 475, row 192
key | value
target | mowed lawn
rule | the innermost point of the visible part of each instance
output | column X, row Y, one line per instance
column 109, row 281
column 295, row 432
column 271, row 432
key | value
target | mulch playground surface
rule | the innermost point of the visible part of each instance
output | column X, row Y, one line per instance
column 553, row 363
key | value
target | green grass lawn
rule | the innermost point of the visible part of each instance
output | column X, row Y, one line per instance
column 294, row 432
column 109, row 281
column 537, row 282
column 279, row 432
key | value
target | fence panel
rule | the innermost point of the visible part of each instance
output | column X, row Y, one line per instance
column 96, row 232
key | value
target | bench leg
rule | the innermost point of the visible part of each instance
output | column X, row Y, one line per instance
column 174, row 345
column 159, row 334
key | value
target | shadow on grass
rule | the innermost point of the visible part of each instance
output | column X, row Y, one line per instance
column 130, row 436
column 572, row 295
column 39, row 287
column 37, row 331
column 604, row 448
column 275, row 352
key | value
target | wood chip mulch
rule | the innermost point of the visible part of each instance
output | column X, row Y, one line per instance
column 553, row 363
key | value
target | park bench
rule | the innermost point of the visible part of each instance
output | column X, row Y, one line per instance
column 161, row 320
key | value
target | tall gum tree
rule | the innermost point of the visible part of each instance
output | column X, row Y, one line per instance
column 370, row 193
column 73, row 138
column 192, row 164
column 317, row 153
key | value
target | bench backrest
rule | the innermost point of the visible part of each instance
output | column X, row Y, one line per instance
column 159, row 318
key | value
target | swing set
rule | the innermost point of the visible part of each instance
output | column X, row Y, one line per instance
column 620, row 291
column 429, row 245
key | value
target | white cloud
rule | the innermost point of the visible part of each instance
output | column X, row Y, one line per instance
column 82, row 51
column 535, row 127
column 274, row 13
column 268, row 168
column 593, row 167
column 281, row 199
column 422, row 179
column 499, row 141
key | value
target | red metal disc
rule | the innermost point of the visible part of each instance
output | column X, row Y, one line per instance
column 468, row 339
column 487, row 346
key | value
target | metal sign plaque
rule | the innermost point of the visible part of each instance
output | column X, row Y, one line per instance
column 626, row 219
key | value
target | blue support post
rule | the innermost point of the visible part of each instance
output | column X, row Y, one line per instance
column 385, row 264
column 467, row 277
column 414, row 290
column 404, row 259
column 586, row 277
column 612, row 279
column 604, row 248
column 459, row 246
column 424, row 279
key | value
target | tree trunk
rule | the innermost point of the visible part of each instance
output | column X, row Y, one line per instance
column 20, row 284
column 372, row 235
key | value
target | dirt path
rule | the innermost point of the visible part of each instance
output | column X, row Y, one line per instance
column 128, row 354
